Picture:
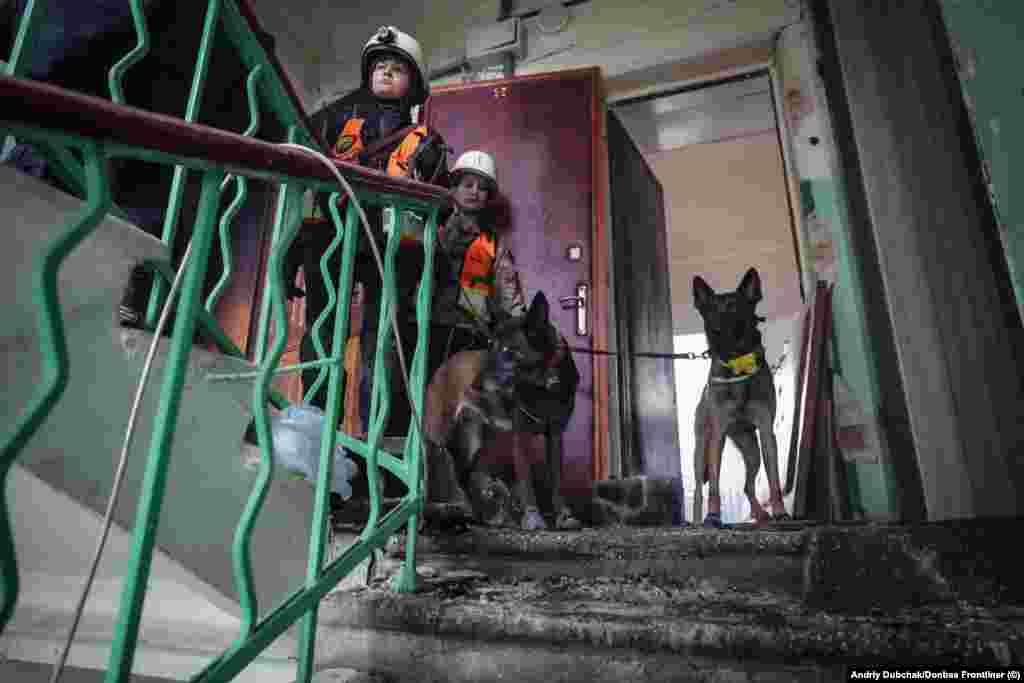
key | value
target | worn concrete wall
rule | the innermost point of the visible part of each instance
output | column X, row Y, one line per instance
column 55, row 539
column 727, row 211
column 940, row 304
column 987, row 42
column 77, row 449
column 625, row 37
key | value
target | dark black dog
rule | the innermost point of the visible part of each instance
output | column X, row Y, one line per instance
column 738, row 398
column 525, row 383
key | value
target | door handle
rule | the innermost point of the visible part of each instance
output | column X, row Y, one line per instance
column 579, row 302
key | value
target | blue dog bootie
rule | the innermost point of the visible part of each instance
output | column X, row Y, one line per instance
column 713, row 520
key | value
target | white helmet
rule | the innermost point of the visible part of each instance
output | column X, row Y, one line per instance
column 475, row 161
column 390, row 39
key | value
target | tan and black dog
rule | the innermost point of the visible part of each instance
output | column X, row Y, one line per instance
column 738, row 399
column 531, row 388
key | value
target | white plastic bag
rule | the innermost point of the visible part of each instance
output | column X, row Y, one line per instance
column 296, row 433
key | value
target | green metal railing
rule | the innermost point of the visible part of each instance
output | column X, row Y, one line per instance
column 102, row 131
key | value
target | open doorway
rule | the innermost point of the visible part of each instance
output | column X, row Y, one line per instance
column 715, row 148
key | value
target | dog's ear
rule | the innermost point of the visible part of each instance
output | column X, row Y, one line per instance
column 750, row 286
column 537, row 314
column 702, row 293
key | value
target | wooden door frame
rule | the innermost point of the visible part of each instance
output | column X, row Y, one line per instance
column 600, row 310
column 747, row 63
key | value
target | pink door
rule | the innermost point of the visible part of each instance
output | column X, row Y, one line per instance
column 540, row 130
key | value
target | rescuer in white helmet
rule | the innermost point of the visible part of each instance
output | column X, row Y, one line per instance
column 477, row 287
column 476, row 281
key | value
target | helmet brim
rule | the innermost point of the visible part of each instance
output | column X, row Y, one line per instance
column 456, row 176
column 419, row 89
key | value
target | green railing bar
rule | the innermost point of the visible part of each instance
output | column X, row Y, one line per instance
column 418, row 378
column 252, row 54
column 275, row 238
column 155, row 477
column 318, row 535
column 380, row 401
column 226, row 345
column 331, row 296
column 283, row 370
column 225, row 238
column 31, row 18
column 211, row 327
column 141, row 49
column 180, row 172
column 415, row 457
column 287, row 226
column 191, row 313
column 241, row 653
column 53, row 348
column 366, row 197
column 241, row 194
column 67, row 169
column 386, row 459
column 120, row 151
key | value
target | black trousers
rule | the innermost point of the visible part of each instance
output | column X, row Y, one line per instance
column 409, row 269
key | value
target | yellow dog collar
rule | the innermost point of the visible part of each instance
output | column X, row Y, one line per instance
column 743, row 365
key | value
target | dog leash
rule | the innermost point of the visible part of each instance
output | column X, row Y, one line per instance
column 688, row 355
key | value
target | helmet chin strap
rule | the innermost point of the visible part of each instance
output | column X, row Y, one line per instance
column 471, row 213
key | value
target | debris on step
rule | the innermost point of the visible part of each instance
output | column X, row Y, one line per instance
column 701, row 616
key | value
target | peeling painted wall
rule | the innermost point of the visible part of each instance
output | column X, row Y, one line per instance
column 825, row 225
column 986, row 40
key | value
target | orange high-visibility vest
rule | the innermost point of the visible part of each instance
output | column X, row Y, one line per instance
column 350, row 145
column 478, row 265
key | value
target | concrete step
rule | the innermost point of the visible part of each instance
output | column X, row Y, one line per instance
column 846, row 567
column 745, row 560
column 467, row 626
column 894, row 566
column 681, row 604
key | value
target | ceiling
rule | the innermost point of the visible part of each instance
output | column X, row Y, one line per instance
column 720, row 112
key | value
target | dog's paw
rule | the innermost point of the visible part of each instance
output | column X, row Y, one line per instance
column 533, row 520
column 567, row 521
column 713, row 520
column 782, row 517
